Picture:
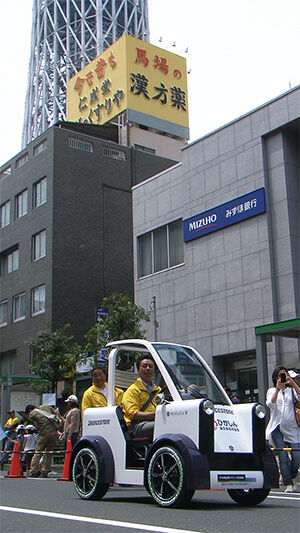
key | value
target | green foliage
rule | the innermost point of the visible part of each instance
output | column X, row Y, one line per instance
column 124, row 321
column 55, row 356
column 65, row 393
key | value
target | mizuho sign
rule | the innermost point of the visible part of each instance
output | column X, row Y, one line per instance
column 221, row 216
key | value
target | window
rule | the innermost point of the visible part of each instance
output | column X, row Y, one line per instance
column 40, row 192
column 160, row 249
column 5, row 214
column 38, row 300
column 8, row 363
column 144, row 149
column 10, row 260
column 40, row 147
column 19, row 307
column 3, row 313
column 81, row 145
column 39, row 245
column 114, row 154
column 6, row 172
column 21, row 204
column 22, row 160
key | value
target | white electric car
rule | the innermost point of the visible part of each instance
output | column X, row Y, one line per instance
column 201, row 440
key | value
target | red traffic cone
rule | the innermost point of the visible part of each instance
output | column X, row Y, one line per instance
column 15, row 467
column 65, row 474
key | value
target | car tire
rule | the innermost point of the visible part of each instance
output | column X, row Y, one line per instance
column 166, row 478
column 87, row 475
column 248, row 497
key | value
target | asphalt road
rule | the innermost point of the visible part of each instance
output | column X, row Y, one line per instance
column 46, row 505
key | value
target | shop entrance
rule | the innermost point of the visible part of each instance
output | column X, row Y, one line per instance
column 247, row 384
column 240, row 374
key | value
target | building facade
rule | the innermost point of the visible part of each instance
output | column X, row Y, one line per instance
column 66, row 233
column 216, row 242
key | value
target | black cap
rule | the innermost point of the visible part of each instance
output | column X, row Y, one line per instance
column 29, row 407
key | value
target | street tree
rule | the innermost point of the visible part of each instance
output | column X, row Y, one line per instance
column 55, row 354
column 123, row 320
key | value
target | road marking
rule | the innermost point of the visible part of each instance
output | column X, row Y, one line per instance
column 286, row 493
column 286, row 497
column 115, row 523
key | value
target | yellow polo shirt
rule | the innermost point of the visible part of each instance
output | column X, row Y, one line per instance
column 93, row 397
column 135, row 397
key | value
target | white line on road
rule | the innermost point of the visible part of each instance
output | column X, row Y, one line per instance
column 286, row 497
column 126, row 525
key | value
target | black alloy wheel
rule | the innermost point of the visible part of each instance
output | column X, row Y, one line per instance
column 86, row 475
column 166, row 478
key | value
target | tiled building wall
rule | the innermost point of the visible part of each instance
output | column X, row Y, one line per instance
column 226, row 286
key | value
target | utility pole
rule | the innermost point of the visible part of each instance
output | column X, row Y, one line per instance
column 152, row 306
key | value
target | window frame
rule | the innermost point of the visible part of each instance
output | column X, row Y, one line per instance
column 41, row 245
column 5, row 214
column 24, row 196
column 5, row 172
column 10, row 261
column 2, row 314
column 40, row 147
column 21, row 299
column 159, row 246
column 41, row 310
column 22, row 160
column 39, row 197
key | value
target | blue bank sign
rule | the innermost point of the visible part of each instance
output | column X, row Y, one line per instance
column 221, row 216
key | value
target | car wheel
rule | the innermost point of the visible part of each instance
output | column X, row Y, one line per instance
column 86, row 475
column 249, row 497
column 166, row 478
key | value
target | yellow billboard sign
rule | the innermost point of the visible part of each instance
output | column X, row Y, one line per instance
column 133, row 75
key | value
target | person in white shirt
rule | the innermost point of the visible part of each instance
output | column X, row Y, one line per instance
column 282, row 430
column 29, row 447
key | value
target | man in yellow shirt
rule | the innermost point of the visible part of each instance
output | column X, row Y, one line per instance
column 96, row 395
column 10, row 428
column 139, row 400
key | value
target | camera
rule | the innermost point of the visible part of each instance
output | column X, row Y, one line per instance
column 283, row 377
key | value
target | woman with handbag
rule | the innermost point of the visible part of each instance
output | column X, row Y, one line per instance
column 283, row 430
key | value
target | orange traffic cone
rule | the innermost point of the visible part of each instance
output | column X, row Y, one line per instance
column 15, row 467
column 65, row 474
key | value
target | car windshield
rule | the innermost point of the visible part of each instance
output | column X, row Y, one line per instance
column 188, row 374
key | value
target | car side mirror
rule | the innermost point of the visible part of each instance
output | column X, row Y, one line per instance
column 161, row 399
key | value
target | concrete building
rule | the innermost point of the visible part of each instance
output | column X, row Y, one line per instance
column 216, row 241
column 66, row 237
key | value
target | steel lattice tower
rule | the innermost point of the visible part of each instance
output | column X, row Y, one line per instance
column 65, row 36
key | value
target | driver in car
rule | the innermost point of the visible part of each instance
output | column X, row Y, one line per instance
column 139, row 400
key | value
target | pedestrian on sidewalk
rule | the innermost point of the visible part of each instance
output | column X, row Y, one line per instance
column 72, row 420
column 282, row 430
column 47, row 421
column 11, row 434
column 29, row 447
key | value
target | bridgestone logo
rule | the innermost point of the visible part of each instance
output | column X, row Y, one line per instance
column 104, row 422
column 224, row 410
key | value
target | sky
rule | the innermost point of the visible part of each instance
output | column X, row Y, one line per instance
column 240, row 54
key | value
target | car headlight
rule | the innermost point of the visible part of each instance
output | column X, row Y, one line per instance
column 260, row 411
column 208, row 407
